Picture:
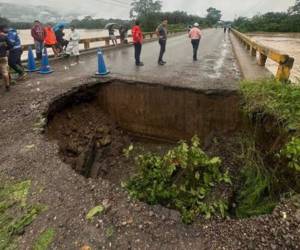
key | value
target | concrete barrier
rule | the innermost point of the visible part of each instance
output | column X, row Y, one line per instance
column 88, row 41
column 285, row 62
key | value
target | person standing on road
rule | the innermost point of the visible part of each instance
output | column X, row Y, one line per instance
column 61, row 42
column 195, row 35
column 4, row 47
column 15, row 53
column 162, row 32
column 38, row 34
column 112, row 36
column 50, row 39
column 73, row 45
column 137, row 36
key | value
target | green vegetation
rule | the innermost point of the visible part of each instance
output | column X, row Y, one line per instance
column 15, row 214
column 44, row 240
column 281, row 102
column 254, row 195
column 270, row 97
column 150, row 14
column 94, row 211
column 272, row 21
column 185, row 178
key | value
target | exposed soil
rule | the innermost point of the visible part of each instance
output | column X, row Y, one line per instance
column 126, row 224
column 93, row 145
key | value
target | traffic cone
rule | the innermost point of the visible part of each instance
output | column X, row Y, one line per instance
column 102, row 70
column 31, row 67
column 45, row 68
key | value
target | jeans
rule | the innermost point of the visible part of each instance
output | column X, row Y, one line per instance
column 137, row 52
column 162, row 44
column 14, row 60
column 39, row 46
column 195, row 43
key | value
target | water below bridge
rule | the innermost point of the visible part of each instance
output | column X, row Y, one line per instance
column 285, row 43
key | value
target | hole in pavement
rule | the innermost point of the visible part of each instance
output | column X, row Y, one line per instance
column 94, row 124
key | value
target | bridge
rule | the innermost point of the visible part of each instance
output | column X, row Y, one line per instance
column 189, row 97
column 219, row 64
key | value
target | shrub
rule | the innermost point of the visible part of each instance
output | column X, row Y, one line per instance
column 185, row 178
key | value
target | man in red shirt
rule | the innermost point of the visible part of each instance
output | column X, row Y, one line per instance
column 137, row 36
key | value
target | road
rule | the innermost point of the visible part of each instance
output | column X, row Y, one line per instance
column 216, row 68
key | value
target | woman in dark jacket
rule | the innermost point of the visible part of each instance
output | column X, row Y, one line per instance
column 61, row 42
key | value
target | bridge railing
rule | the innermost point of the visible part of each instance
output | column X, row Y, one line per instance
column 88, row 41
column 285, row 62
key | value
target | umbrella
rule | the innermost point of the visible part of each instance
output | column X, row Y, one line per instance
column 59, row 25
column 110, row 26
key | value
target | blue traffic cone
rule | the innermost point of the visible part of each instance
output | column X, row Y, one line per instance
column 45, row 68
column 102, row 70
column 31, row 67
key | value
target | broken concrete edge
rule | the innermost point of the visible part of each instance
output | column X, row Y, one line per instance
column 259, row 73
column 87, row 91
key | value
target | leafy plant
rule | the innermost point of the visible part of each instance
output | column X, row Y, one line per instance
column 185, row 178
column 94, row 211
column 291, row 152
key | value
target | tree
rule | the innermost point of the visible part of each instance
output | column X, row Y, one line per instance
column 213, row 16
column 295, row 10
column 142, row 8
column 4, row 21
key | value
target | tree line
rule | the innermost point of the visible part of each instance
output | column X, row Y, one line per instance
column 150, row 14
column 271, row 22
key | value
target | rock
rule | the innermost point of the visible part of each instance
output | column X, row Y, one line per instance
column 86, row 248
column 106, row 204
column 105, row 141
column 273, row 247
column 297, row 215
column 151, row 214
column 175, row 215
column 103, row 130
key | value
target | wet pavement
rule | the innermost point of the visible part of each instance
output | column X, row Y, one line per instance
column 215, row 69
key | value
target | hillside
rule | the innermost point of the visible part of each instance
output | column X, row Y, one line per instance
column 28, row 13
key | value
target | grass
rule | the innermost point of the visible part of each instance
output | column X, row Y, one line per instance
column 44, row 240
column 270, row 97
column 255, row 195
column 15, row 213
column 263, row 183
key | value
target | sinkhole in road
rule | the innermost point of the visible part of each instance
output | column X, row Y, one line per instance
column 95, row 123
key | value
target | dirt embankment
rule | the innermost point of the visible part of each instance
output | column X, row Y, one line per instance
column 126, row 224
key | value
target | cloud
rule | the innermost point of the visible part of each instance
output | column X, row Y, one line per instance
column 120, row 8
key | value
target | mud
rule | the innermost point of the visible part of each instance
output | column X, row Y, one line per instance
column 94, row 126
column 26, row 154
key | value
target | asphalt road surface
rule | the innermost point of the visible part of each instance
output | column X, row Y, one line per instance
column 216, row 67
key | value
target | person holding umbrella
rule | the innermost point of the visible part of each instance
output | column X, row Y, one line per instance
column 111, row 32
column 59, row 33
column 137, row 36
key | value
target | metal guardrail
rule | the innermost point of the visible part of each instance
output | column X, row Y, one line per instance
column 87, row 42
column 285, row 61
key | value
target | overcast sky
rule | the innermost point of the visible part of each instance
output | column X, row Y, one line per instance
column 120, row 8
